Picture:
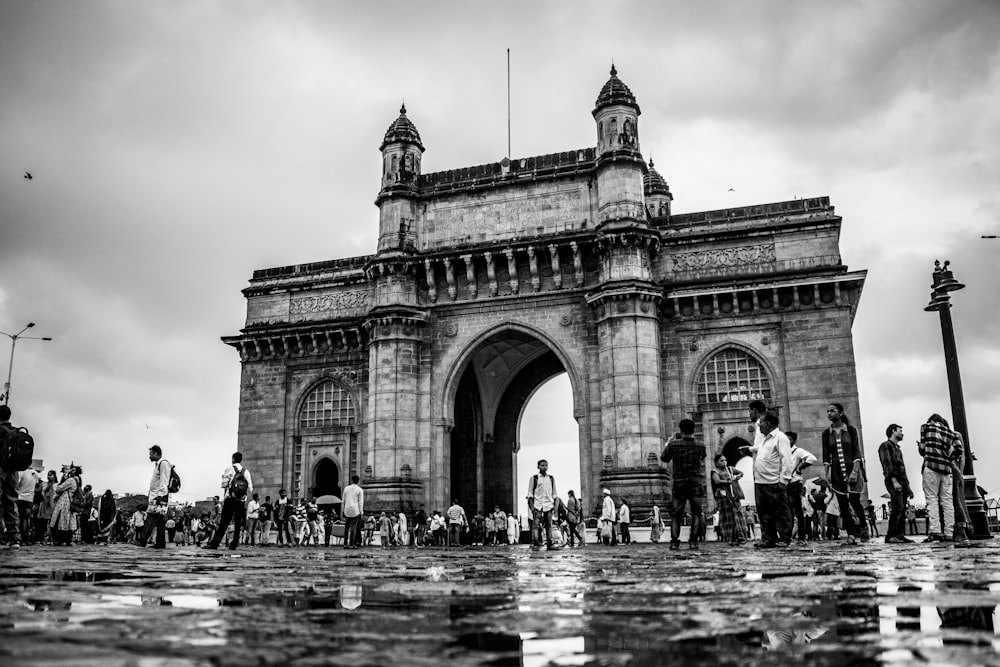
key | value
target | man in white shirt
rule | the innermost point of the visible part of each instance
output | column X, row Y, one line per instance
column 542, row 489
column 608, row 513
column 156, row 514
column 27, row 480
column 253, row 520
column 237, row 485
column 772, row 470
column 353, row 509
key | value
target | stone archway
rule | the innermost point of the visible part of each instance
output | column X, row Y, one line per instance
column 326, row 478
column 498, row 379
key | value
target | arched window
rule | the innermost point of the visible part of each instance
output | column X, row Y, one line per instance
column 328, row 404
column 733, row 376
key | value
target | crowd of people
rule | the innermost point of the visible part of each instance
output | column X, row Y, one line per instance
column 54, row 508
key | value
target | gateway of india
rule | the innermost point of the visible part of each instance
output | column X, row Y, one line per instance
column 411, row 367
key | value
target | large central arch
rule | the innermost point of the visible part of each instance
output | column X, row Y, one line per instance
column 487, row 392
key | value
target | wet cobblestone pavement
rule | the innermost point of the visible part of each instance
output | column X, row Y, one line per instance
column 635, row 605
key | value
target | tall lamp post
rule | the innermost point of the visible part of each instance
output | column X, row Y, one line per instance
column 13, row 343
column 943, row 284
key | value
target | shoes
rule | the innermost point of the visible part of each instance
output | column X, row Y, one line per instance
column 693, row 546
column 783, row 545
column 800, row 543
column 895, row 540
column 764, row 545
column 209, row 546
column 850, row 542
column 905, row 540
column 674, row 546
column 552, row 548
column 934, row 537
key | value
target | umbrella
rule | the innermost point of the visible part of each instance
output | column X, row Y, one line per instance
column 327, row 500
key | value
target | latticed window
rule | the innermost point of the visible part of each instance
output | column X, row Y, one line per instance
column 327, row 405
column 733, row 376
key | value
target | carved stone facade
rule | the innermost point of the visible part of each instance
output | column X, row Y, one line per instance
column 411, row 367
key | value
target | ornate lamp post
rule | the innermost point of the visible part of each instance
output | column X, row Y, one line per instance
column 943, row 284
column 13, row 342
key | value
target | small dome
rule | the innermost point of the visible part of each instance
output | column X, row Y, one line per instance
column 615, row 92
column 653, row 183
column 402, row 129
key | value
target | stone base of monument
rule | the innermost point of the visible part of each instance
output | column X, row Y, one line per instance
column 392, row 495
column 642, row 487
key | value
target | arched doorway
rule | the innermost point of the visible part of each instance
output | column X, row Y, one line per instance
column 498, row 379
column 326, row 478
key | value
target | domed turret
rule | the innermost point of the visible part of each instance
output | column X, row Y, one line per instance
column 657, row 193
column 401, row 149
column 403, row 130
column 617, row 115
column 615, row 92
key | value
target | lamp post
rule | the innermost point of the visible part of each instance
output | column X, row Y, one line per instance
column 943, row 284
column 13, row 343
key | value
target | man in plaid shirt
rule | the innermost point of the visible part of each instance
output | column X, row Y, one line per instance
column 939, row 446
column 688, row 457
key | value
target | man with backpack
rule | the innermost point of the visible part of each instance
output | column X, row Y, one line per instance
column 159, row 495
column 16, row 448
column 237, row 486
column 542, row 490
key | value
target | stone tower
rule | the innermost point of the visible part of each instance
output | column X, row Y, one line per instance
column 625, row 303
column 395, row 324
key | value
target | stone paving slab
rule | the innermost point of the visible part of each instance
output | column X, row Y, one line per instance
column 637, row 605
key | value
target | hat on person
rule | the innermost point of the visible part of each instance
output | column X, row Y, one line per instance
column 606, row 492
column 156, row 448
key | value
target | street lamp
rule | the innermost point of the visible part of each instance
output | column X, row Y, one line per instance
column 13, row 342
column 943, row 284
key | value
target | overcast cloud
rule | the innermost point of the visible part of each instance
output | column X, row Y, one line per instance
column 177, row 146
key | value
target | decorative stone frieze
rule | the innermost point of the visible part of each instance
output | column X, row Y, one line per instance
column 699, row 260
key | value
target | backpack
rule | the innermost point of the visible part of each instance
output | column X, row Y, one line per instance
column 17, row 448
column 238, row 485
column 174, row 485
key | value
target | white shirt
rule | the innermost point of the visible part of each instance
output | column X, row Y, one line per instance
column 230, row 472
column 253, row 509
column 772, row 461
column 624, row 514
column 544, row 492
column 800, row 456
column 608, row 509
column 161, row 477
column 26, row 482
column 354, row 501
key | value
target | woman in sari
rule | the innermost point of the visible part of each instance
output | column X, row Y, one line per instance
column 64, row 521
column 722, row 488
column 45, row 506
column 107, row 515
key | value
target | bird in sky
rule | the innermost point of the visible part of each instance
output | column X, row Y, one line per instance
column 731, row 190
column 28, row 176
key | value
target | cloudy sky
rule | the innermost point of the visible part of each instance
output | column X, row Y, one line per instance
column 175, row 147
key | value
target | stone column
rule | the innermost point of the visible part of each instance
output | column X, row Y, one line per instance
column 394, row 374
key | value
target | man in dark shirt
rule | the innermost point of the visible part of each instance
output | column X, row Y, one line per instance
column 896, row 483
column 688, row 458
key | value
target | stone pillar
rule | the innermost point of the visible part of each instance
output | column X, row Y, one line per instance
column 626, row 313
column 394, row 375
